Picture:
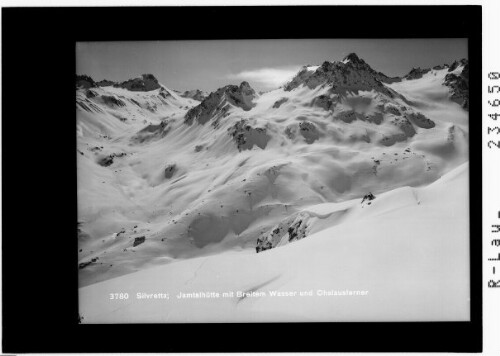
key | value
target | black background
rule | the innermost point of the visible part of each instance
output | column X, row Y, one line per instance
column 40, row 289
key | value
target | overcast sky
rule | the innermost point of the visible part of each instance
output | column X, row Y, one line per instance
column 265, row 64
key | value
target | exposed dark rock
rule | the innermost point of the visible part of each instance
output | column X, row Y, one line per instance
column 456, row 64
column 90, row 94
column 139, row 240
column 84, row 81
column 105, row 83
column 451, row 134
column 279, row 102
column 420, row 120
column 146, row 82
column 119, row 117
column 290, row 132
column 352, row 58
column 375, row 117
column 405, row 125
column 246, row 136
column 368, row 197
column 194, row 94
column 324, row 101
column 164, row 93
column 170, row 171
column 351, row 75
column 407, row 131
column 392, row 139
column 439, row 67
column 112, row 100
column 293, row 228
column 263, row 245
column 309, row 131
column 294, row 232
column 106, row 161
column 302, row 77
column 416, row 73
column 152, row 132
column 217, row 104
column 109, row 160
column 346, row 116
column 459, row 84
column 85, row 264
column 392, row 109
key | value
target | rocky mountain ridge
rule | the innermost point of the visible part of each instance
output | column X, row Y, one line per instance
column 218, row 103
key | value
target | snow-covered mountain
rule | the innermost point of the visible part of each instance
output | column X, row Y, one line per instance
column 195, row 94
column 185, row 181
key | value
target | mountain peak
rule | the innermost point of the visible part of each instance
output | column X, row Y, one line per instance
column 246, row 89
column 350, row 74
column 85, row 81
column 352, row 57
column 148, row 76
column 216, row 104
column 145, row 82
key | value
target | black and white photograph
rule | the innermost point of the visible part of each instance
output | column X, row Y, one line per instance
column 273, row 180
column 299, row 177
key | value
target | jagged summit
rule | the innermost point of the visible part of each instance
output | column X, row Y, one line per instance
column 85, row 82
column 459, row 84
column 146, row 82
column 105, row 83
column 218, row 103
column 456, row 79
column 456, row 64
column 353, row 58
column 416, row 73
column 351, row 74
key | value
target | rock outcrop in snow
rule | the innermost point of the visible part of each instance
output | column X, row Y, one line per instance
column 151, row 133
column 109, row 159
column 309, row 131
column 368, row 197
column 291, row 229
column 218, row 103
column 85, row 82
column 194, row 94
column 245, row 136
column 459, row 83
column 279, row 102
column 459, row 63
column 324, row 101
column 170, row 171
column 420, row 120
column 139, row 240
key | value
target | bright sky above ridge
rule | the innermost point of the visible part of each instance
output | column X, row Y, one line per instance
column 265, row 64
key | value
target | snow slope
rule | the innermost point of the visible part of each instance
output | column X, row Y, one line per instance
column 392, row 250
column 432, row 98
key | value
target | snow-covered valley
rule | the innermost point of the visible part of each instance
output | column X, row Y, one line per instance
column 341, row 179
